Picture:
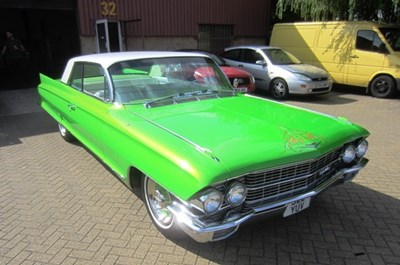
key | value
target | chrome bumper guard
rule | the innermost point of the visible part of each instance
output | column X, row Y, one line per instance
column 217, row 231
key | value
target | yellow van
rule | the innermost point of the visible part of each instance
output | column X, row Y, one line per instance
column 358, row 53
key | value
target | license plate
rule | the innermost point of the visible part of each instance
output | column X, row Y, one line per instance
column 297, row 206
column 241, row 89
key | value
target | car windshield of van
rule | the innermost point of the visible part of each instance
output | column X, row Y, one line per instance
column 392, row 36
column 280, row 57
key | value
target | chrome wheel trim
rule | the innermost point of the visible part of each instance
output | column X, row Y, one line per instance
column 157, row 200
column 62, row 129
column 279, row 89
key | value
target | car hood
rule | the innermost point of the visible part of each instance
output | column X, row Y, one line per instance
column 232, row 72
column 246, row 133
column 306, row 69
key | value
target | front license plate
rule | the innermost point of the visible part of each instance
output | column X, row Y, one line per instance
column 241, row 89
column 297, row 206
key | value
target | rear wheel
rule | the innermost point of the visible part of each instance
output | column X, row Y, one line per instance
column 65, row 134
column 383, row 86
column 279, row 89
column 157, row 200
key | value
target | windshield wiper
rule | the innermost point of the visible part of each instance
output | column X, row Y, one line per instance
column 210, row 91
column 147, row 104
column 196, row 93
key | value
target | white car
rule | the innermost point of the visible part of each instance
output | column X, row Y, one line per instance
column 278, row 71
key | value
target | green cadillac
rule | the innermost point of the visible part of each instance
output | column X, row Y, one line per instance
column 204, row 157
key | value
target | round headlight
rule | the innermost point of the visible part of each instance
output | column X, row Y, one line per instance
column 236, row 194
column 348, row 154
column 211, row 201
column 252, row 79
column 362, row 148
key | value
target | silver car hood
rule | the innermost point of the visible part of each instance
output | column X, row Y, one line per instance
column 306, row 69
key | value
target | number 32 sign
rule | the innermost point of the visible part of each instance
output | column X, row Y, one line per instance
column 108, row 8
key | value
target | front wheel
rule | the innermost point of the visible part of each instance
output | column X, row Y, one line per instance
column 65, row 134
column 157, row 200
column 279, row 89
column 383, row 86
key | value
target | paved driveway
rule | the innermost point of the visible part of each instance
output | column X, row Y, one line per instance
column 59, row 205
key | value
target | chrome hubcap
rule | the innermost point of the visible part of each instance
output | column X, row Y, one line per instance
column 279, row 89
column 158, row 200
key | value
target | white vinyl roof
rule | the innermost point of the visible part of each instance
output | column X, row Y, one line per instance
column 107, row 59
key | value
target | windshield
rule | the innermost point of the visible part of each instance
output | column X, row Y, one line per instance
column 280, row 57
column 146, row 80
column 392, row 36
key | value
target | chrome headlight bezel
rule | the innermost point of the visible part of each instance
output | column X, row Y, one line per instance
column 212, row 201
column 236, row 194
column 348, row 153
column 208, row 201
column 362, row 148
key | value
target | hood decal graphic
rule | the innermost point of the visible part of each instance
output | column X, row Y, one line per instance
column 299, row 141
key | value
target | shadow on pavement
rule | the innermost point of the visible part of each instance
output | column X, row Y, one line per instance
column 15, row 127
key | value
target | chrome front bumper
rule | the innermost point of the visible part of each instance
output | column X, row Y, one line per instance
column 218, row 231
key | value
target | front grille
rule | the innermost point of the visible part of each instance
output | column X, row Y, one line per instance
column 322, row 89
column 320, row 79
column 286, row 181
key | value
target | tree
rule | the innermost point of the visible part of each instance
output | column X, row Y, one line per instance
column 323, row 10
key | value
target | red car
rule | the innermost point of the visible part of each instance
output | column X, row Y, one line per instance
column 240, row 79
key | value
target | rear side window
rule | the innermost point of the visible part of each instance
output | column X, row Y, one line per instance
column 251, row 56
column 76, row 79
column 368, row 40
column 232, row 55
column 89, row 78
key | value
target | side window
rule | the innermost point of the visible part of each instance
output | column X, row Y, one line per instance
column 232, row 55
column 76, row 79
column 251, row 56
column 368, row 40
column 89, row 78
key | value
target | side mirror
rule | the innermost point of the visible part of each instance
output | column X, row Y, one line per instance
column 261, row 62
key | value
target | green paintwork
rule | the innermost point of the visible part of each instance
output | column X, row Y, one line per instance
column 188, row 146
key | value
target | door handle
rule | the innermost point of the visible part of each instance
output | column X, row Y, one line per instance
column 71, row 107
column 240, row 65
column 354, row 56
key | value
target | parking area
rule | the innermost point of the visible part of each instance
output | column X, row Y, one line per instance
column 60, row 205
